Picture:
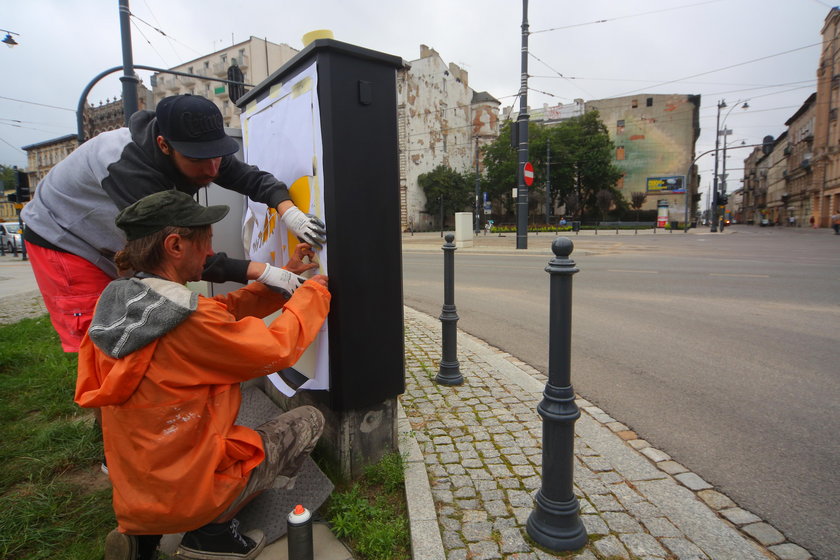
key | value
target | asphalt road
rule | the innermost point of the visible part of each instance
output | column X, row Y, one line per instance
column 721, row 350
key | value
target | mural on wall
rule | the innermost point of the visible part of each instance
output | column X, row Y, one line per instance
column 282, row 135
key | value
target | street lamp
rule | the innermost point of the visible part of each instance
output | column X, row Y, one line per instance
column 8, row 39
column 721, row 105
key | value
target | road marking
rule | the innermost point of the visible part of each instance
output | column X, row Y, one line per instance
column 740, row 275
column 636, row 271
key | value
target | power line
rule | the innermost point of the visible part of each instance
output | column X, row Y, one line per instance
column 140, row 31
column 39, row 104
column 623, row 17
column 722, row 69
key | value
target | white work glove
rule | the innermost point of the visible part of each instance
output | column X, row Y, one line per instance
column 281, row 280
column 307, row 227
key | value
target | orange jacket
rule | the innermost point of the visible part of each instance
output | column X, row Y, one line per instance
column 175, row 457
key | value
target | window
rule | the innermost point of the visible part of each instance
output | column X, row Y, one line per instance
column 619, row 127
column 619, row 153
column 634, row 103
column 649, row 102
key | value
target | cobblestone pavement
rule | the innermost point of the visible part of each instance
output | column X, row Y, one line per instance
column 481, row 446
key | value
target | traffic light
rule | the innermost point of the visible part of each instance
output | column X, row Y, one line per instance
column 723, row 199
column 22, row 193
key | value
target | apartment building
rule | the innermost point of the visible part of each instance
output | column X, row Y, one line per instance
column 256, row 58
column 826, row 135
column 754, row 207
column 442, row 121
column 777, row 211
column 799, row 177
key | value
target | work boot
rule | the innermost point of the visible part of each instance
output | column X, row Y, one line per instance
column 119, row 546
column 220, row 541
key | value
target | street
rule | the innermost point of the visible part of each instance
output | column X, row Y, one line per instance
column 720, row 349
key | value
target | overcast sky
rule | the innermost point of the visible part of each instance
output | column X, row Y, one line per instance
column 764, row 51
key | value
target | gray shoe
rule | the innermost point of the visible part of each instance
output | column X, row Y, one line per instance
column 119, row 546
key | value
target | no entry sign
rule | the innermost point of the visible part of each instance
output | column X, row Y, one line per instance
column 528, row 172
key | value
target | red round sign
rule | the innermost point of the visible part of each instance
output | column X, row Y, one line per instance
column 528, row 173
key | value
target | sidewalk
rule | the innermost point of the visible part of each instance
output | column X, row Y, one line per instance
column 474, row 455
column 480, row 446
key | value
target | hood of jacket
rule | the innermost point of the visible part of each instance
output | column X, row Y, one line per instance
column 132, row 314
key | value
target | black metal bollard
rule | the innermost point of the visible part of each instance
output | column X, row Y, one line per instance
column 555, row 522
column 450, row 372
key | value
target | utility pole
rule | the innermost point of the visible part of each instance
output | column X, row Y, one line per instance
column 522, row 133
column 714, row 198
column 477, row 193
column 547, row 181
column 129, row 78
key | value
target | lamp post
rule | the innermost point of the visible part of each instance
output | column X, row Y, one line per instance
column 714, row 202
column 522, row 135
column 8, row 39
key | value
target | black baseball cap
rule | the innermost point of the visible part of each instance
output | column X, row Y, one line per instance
column 194, row 126
column 166, row 208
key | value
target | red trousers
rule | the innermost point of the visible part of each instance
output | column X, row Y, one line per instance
column 70, row 286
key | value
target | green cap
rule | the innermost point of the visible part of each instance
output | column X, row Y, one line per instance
column 166, row 208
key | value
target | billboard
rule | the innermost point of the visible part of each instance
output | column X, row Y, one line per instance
column 673, row 184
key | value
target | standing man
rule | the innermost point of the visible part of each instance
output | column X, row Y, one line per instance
column 70, row 232
column 164, row 364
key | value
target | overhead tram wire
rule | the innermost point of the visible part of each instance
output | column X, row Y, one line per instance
column 624, row 17
column 719, row 69
column 556, row 72
column 157, row 21
column 140, row 31
column 162, row 32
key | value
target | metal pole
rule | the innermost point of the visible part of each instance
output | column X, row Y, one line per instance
column 449, row 373
column 713, row 198
column 547, row 180
column 522, row 129
column 477, row 219
column 129, row 79
column 555, row 521
column 723, row 176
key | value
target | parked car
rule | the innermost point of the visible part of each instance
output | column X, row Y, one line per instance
column 765, row 222
column 10, row 236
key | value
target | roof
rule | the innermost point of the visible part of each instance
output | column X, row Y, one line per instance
column 59, row 140
column 483, row 97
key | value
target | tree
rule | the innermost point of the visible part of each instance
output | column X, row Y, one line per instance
column 7, row 177
column 604, row 199
column 447, row 189
column 637, row 200
column 580, row 156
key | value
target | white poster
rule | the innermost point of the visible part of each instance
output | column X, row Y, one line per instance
column 282, row 135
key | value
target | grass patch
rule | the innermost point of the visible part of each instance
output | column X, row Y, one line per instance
column 370, row 515
column 53, row 502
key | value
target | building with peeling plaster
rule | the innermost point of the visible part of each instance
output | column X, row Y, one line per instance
column 654, row 137
column 442, row 121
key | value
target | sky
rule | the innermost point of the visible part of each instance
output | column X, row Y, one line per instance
column 764, row 52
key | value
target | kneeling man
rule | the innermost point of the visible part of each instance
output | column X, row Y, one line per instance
column 164, row 364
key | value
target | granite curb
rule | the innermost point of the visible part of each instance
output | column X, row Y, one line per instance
column 480, row 446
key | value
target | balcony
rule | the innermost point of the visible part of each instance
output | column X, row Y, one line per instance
column 219, row 69
column 242, row 61
column 187, row 81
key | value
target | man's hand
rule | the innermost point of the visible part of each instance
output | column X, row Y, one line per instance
column 280, row 280
column 296, row 264
column 307, row 227
column 320, row 279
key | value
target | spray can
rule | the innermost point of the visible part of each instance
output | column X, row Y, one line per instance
column 299, row 536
